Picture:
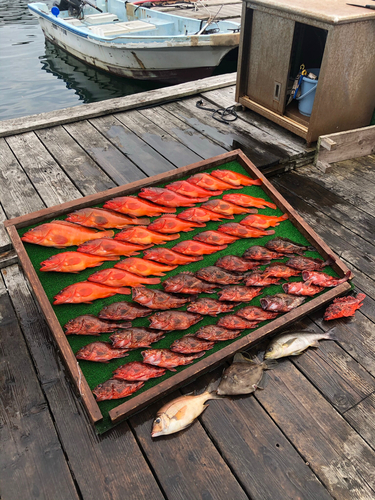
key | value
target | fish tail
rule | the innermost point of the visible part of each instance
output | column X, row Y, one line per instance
column 124, row 291
column 331, row 334
column 142, row 221
column 107, row 234
column 270, row 364
column 271, row 231
column 152, row 281
column 311, row 249
column 284, row 217
column 271, row 205
column 252, row 211
column 212, row 388
column 114, row 257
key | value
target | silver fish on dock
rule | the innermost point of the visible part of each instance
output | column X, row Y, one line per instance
column 294, row 343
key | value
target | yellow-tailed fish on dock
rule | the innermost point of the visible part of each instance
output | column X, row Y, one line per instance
column 294, row 343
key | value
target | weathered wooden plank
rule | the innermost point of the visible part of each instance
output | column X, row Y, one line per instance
column 52, row 184
column 82, row 170
column 181, row 131
column 104, row 467
column 144, row 158
column 86, row 111
column 187, row 467
column 8, row 258
column 32, row 461
column 361, row 418
column 340, row 458
column 5, row 243
column 18, row 195
column 153, row 135
column 116, row 165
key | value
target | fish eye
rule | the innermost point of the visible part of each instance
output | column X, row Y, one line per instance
column 270, row 349
column 157, row 420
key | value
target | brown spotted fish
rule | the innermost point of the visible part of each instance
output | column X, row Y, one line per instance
column 174, row 320
column 165, row 358
column 101, row 352
column 88, row 324
column 116, row 389
column 135, row 338
column 281, row 302
column 302, row 288
column 308, row 264
column 255, row 313
column 214, row 274
column 187, row 282
column 217, row 333
column 344, row 307
column 237, row 264
column 210, row 307
column 190, row 344
column 238, row 293
column 234, row 322
column 285, row 246
column 135, row 370
column 156, row 299
column 257, row 252
column 124, row 310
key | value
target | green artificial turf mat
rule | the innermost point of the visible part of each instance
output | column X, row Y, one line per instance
column 96, row 373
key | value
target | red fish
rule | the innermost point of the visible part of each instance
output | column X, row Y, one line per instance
column 214, row 274
column 234, row 322
column 134, row 206
column 173, row 320
column 103, row 219
column 254, row 313
column 191, row 247
column 206, row 181
column 156, row 299
column 101, row 352
column 261, row 221
column 301, row 288
column 88, row 324
column 62, row 234
column 257, row 252
column 124, row 310
column 324, row 279
column 167, row 256
column 135, row 370
column 281, row 302
column 118, row 277
column 116, row 389
column 86, row 292
column 244, row 200
column 134, row 338
column 241, row 231
column 170, row 223
column 307, row 263
column 189, row 344
column 256, row 278
column 227, row 208
column 198, row 214
column 285, row 246
column 279, row 270
column 72, row 262
column 209, row 307
column 238, row 264
column 168, row 198
column 168, row 359
column 344, row 307
column 187, row 282
column 144, row 267
column 192, row 190
column 143, row 236
column 238, row 293
column 235, row 178
column 216, row 333
column 214, row 238
column 107, row 247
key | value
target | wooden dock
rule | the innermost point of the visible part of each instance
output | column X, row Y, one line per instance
column 310, row 434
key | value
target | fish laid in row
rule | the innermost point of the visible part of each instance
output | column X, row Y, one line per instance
column 173, row 320
column 137, row 371
column 258, row 252
column 124, row 310
column 134, row 338
column 86, row 292
column 107, row 247
column 257, row 278
column 187, row 282
column 191, row 190
column 144, row 236
column 143, row 267
column 73, row 262
column 100, row 352
column 191, row 247
column 281, row 302
column 137, row 207
column 308, row 264
column 239, row 293
column 156, row 299
column 217, row 333
column 119, row 277
column 244, row 200
column 209, row 307
column 255, row 313
column 211, row 183
column 279, row 270
column 238, row 264
column 240, row 231
column 165, row 358
column 302, row 288
column 88, row 324
column 324, row 279
column 261, row 221
column 170, row 223
column 214, row 238
column 190, row 344
column 235, row 179
column 227, row 208
column 168, row 198
column 100, row 218
column 286, row 246
column 234, row 322
column 198, row 214
column 116, row 389
column 167, row 256
column 214, row 274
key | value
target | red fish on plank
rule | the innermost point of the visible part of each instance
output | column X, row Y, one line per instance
column 119, row 277
column 244, row 200
column 254, row 313
column 235, row 178
column 191, row 190
column 191, row 247
column 173, row 320
column 241, row 231
column 62, row 234
column 238, row 293
column 257, row 252
column 344, row 307
column 227, row 208
column 170, row 223
column 134, row 206
column 187, row 282
column 285, row 246
column 262, row 221
column 166, row 358
column 238, row 264
column 324, row 279
column 100, row 352
column 216, row 333
column 156, row 299
column 308, row 264
column 209, row 307
column 144, row 267
column 301, row 288
column 137, row 371
column 72, row 262
column 134, row 338
column 206, row 181
column 100, row 218
column 116, row 389
column 234, row 322
column 198, row 214
column 190, row 344
column 167, row 256
column 144, row 236
column 88, row 324
column 214, row 274
column 214, row 238
column 107, row 247
column 281, row 302
column 86, row 292
column 124, row 310
column 168, row 198
column 279, row 270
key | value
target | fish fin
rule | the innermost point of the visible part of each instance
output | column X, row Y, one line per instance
column 331, row 334
column 289, row 342
column 315, row 344
column 240, row 357
column 258, row 387
column 180, row 414
column 269, row 364
column 212, row 386
column 123, row 291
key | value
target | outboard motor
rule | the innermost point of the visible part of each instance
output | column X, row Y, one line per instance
column 74, row 7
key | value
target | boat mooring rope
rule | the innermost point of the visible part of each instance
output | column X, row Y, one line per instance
column 220, row 114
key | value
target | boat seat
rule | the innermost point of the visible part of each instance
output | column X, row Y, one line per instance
column 125, row 28
column 103, row 18
column 73, row 21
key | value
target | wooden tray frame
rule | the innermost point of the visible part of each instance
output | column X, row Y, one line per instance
column 137, row 403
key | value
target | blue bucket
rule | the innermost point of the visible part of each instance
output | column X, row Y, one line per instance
column 308, row 89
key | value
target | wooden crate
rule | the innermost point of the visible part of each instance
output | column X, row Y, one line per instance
column 136, row 403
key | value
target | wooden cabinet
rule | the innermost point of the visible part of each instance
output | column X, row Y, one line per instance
column 330, row 35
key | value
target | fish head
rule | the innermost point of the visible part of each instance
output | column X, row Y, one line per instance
column 53, row 263
column 75, row 325
column 80, row 216
column 101, row 276
column 36, row 234
column 65, row 295
column 162, row 425
column 97, row 246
